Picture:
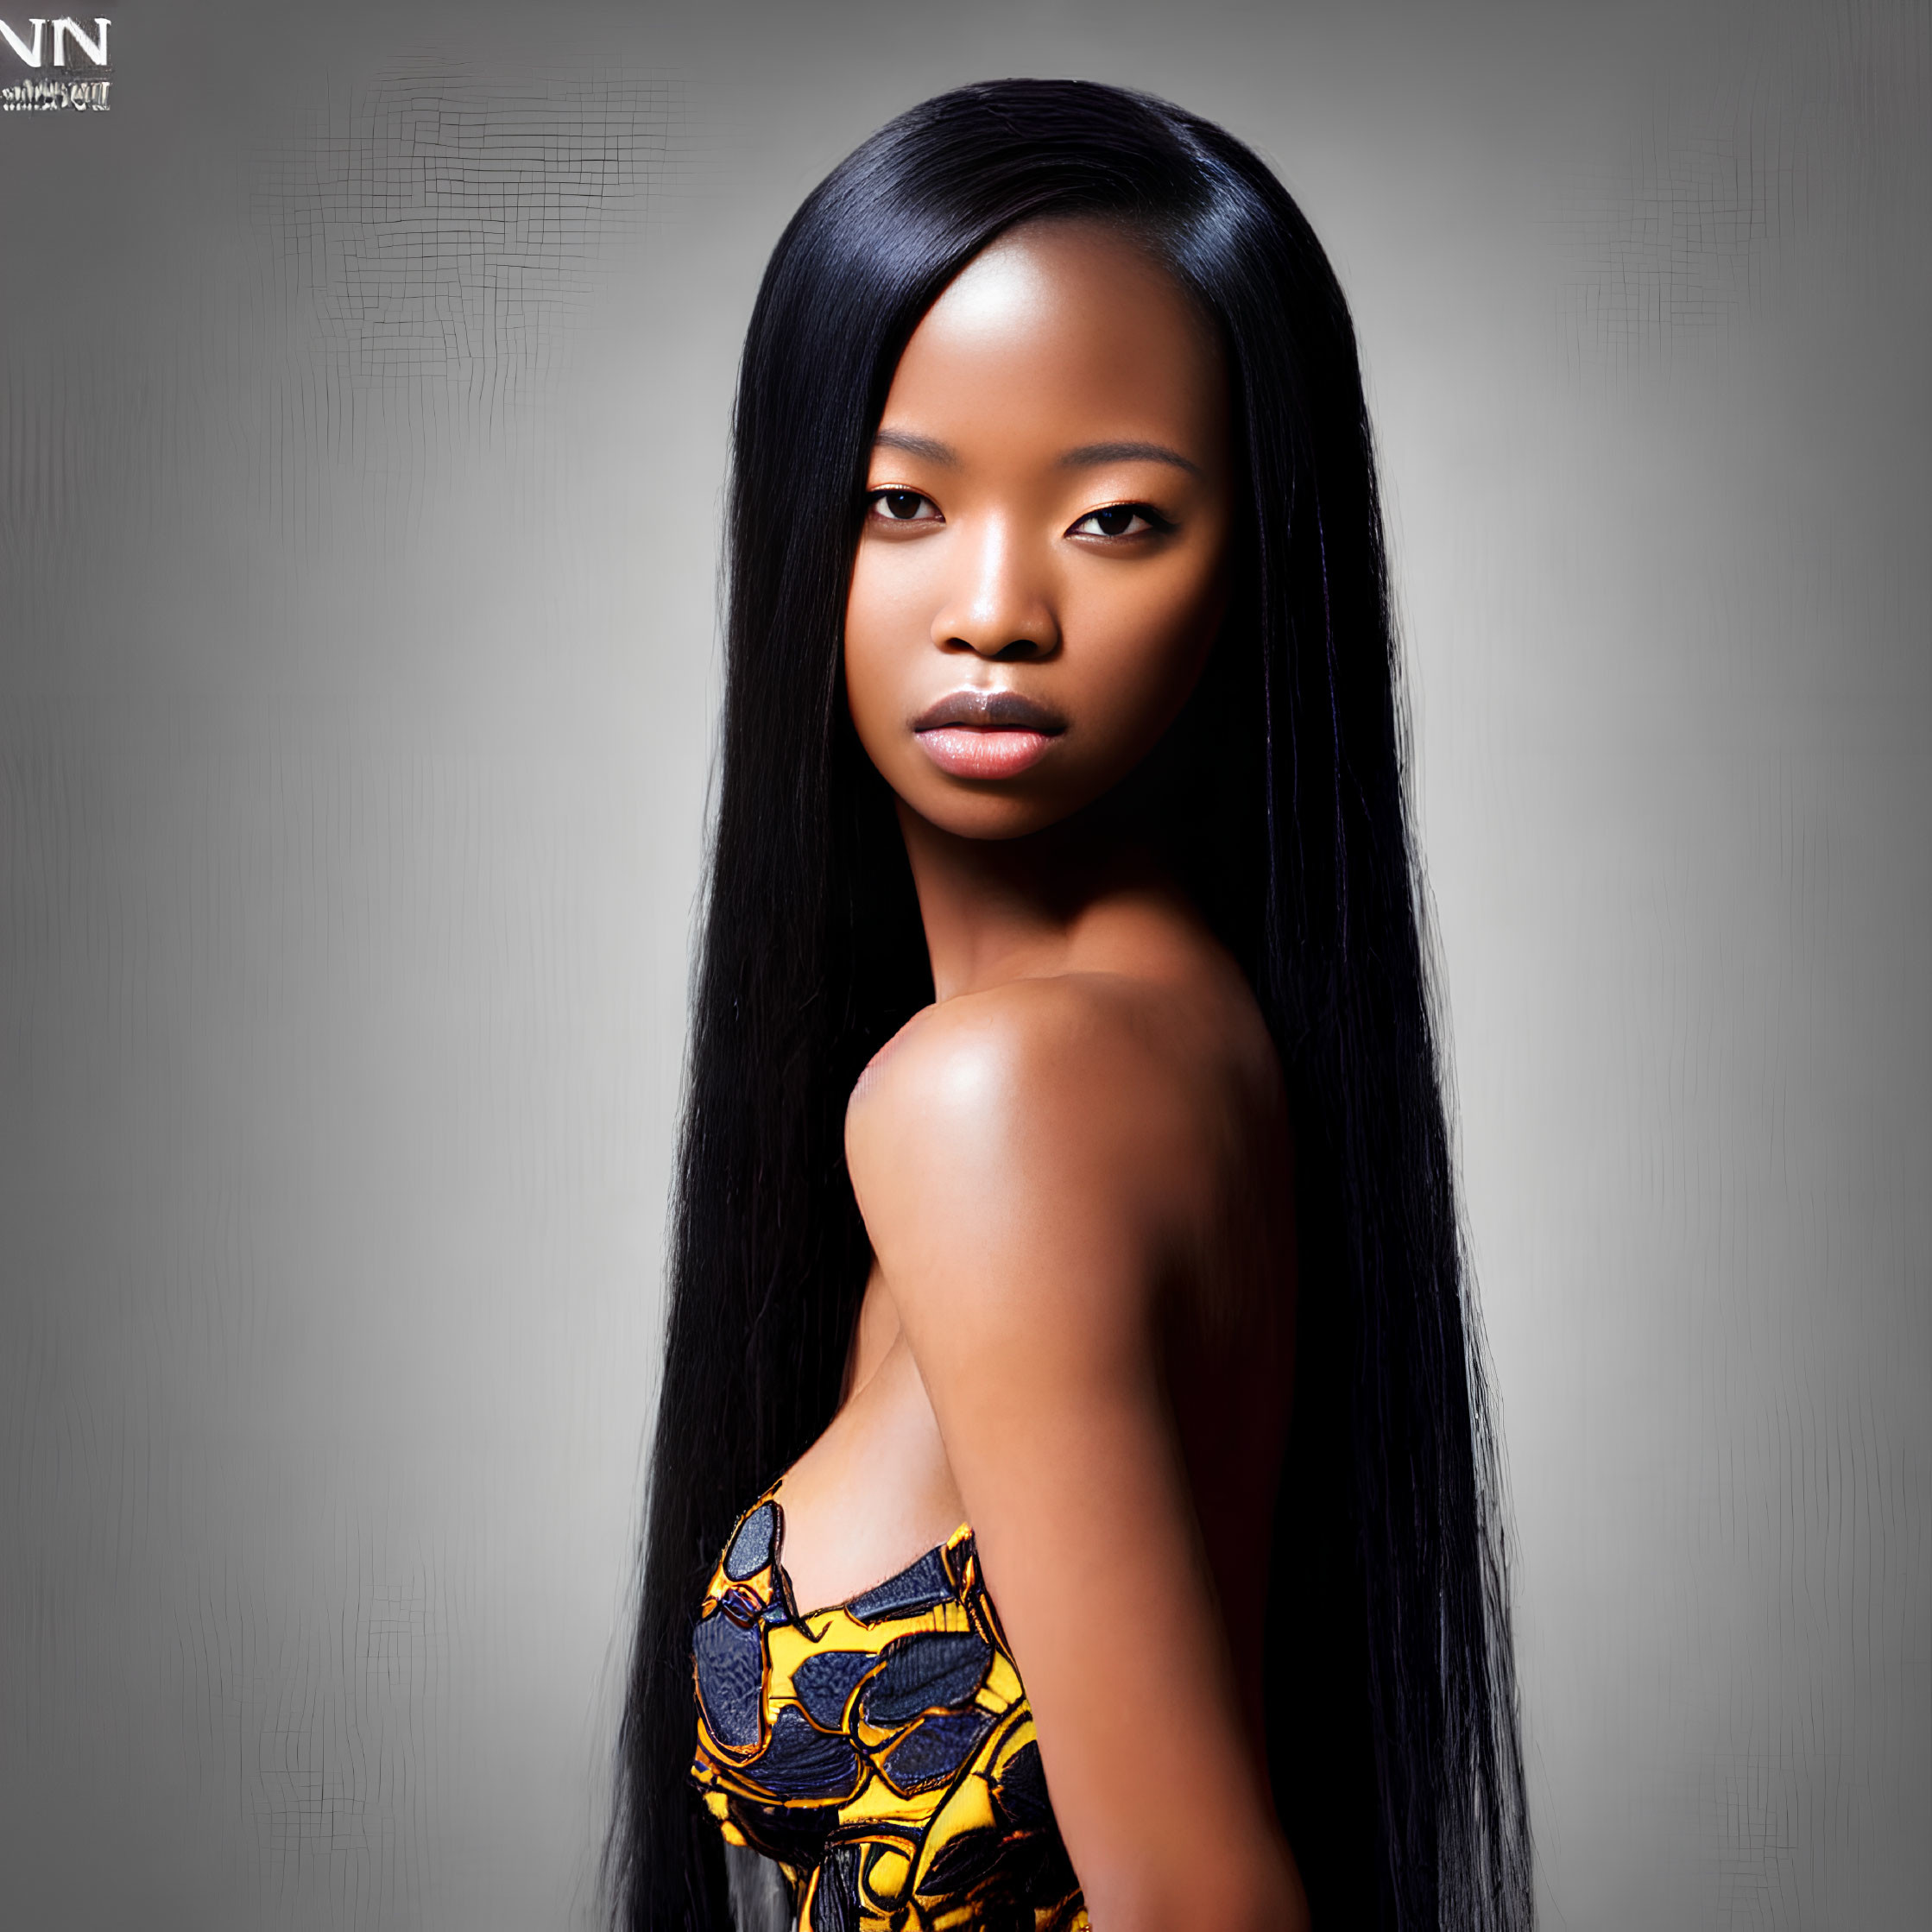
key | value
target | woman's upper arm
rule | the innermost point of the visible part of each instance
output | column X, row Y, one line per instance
column 1023, row 1167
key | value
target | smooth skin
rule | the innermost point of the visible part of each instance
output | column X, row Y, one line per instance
column 1077, row 1335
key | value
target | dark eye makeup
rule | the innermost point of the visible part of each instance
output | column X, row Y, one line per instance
column 901, row 506
column 892, row 505
column 1118, row 519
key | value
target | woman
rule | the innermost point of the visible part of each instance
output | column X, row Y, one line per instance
column 1065, row 1289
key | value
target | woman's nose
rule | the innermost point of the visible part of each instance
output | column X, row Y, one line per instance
column 998, row 603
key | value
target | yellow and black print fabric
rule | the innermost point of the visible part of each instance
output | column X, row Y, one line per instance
column 882, row 1751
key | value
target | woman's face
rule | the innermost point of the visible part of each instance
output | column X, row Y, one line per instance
column 1041, row 570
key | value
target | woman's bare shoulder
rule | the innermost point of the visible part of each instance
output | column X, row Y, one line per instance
column 1089, row 1101
column 1027, row 1044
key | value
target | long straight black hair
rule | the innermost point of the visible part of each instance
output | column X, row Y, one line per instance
column 1279, row 795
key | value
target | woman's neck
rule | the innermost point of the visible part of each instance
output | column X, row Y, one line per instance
column 1078, row 897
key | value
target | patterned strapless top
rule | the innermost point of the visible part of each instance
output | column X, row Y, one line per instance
column 882, row 1751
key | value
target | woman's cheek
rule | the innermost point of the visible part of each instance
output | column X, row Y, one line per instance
column 1142, row 680
column 863, row 697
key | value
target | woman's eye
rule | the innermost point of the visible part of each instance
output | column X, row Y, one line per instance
column 1120, row 519
column 904, row 506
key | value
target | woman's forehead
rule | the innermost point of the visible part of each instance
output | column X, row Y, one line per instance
column 1076, row 314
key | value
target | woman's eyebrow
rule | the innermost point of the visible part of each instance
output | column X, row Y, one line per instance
column 1091, row 453
column 928, row 447
column 1087, row 456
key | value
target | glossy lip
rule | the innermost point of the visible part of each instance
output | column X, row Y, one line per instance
column 986, row 734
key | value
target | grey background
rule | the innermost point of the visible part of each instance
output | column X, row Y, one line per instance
column 363, row 381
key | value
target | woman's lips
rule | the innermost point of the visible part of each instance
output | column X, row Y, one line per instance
column 969, row 753
column 986, row 734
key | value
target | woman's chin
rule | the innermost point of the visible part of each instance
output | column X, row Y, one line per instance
column 987, row 813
